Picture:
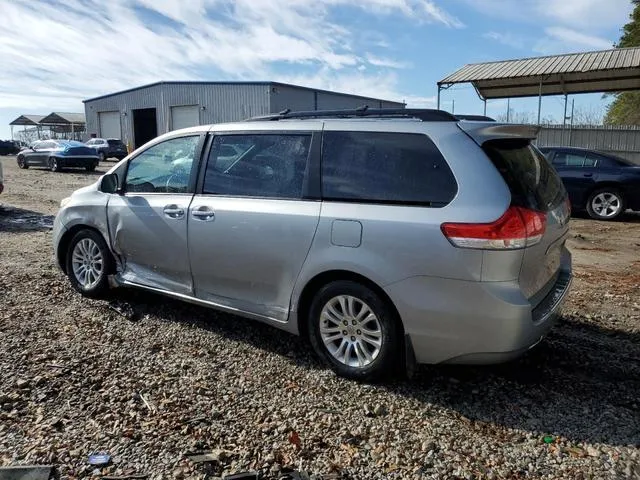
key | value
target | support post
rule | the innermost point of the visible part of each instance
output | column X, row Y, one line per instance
column 439, row 88
column 508, row 109
column 485, row 107
column 11, row 132
column 453, row 107
column 564, row 116
column 573, row 101
column 539, row 101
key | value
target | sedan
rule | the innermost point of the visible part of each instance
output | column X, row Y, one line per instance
column 601, row 184
column 58, row 154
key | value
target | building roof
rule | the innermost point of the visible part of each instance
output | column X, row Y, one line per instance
column 265, row 83
column 63, row 118
column 612, row 70
column 27, row 120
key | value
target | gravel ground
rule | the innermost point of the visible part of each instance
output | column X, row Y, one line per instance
column 78, row 378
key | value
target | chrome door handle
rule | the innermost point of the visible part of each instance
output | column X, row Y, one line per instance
column 173, row 211
column 203, row 213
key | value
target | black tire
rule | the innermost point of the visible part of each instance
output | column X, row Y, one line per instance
column 614, row 196
column 90, row 168
column 54, row 164
column 387, row 358
column 102, row 156
column 22, row 162
column 100, row 286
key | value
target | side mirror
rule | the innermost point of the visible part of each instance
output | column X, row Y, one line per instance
column 109, row 183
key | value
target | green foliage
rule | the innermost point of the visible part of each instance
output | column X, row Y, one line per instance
column 625, row 109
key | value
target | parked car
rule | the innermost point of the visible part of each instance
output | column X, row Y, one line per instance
column 108, row 148
column 604, row 185
column 58, row 154
column 406, row 236
column 8, row 147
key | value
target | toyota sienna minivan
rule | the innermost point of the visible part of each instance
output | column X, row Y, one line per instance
column 386, row 237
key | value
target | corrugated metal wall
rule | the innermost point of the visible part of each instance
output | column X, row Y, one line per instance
column 619, row 140
column 217, row 103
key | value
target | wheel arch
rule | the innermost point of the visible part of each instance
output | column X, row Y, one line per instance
column 65, row 240
column 305, row 298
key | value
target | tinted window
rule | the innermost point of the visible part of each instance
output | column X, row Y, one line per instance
column 115, row 143
column 257, row 165
column 163, row 168
column 385, row 167
column 531, row 179
column 570, row 159
column 591, row 160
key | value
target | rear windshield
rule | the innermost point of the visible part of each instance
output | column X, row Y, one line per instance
column 115, row 143
column 531, row 179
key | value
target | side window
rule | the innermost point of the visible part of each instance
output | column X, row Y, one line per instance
column 90, row 142
column 163, row 168
column 570, row 159
column 261, row 165
column 591, row 160
column 385, row 167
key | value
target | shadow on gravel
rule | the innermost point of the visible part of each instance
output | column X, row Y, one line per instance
column 18, row 220
column 582, row 382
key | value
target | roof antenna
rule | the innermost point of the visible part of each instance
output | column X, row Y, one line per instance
column 285, row 111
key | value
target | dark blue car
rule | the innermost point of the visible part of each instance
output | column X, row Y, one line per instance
column 58, row 154
column 604, row 185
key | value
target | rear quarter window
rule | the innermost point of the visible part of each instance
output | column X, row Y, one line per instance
column 380, row 167
column 533, row 182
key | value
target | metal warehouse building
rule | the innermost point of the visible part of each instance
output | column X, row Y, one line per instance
column 140, row 114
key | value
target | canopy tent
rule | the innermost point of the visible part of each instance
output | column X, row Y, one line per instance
column 612, row 70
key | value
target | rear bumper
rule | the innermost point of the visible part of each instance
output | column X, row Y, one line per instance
column 453, row 321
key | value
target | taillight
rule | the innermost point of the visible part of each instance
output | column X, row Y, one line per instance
column 517, row 228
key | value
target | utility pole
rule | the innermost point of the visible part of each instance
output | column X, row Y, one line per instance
column 508, row 108
column 453, row 107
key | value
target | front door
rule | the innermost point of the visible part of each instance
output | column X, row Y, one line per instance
column 148, row 221
column 250, row 228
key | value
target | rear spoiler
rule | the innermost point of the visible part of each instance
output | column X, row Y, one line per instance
column 482, row 132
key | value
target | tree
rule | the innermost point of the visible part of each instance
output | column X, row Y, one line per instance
column 625, row 109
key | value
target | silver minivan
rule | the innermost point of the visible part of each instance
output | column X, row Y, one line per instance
column 385, row 237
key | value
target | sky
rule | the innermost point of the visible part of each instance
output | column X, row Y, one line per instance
column 55, row 53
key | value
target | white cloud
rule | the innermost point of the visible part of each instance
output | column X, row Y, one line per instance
column 507, row 39
column 385, row 62
column 562, row 39
column 594, row 14
column 56, row 54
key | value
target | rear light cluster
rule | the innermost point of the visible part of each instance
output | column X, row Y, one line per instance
column 518, row 228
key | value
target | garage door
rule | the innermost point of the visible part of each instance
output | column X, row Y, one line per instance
column 184, row 116
column 109, row 124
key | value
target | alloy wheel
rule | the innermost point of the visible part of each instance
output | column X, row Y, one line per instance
column 87, row 263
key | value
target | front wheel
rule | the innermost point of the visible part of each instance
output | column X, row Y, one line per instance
column 90, row 168
column 54, row 164
column 22, row 162
column 354, row 331
column 89, row 262
column 605, row 204
column 102, row 156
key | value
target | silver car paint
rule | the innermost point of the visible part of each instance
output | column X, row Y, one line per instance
column 455, row 304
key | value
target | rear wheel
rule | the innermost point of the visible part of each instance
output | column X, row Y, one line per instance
column 91, row 168
column 22, row 162
column 89, row 262
column 102, row 156
column 605, row 204
column 354, row 331
column 54, row 164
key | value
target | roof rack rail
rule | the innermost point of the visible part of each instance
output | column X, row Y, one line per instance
column 481, row 118
column 424, row 114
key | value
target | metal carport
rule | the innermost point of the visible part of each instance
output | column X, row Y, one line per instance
column 612, row 70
